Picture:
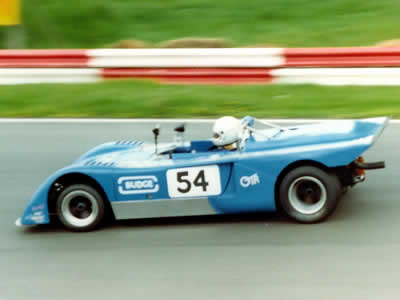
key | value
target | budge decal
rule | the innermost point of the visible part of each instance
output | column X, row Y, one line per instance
column 138, row 185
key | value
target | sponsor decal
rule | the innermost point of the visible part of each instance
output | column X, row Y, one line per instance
column 38, row 207
column 138, row 185
column 38, row 217
column 246, row 181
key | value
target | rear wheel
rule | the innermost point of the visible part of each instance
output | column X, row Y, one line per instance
column 308, row 194
column 80, row 207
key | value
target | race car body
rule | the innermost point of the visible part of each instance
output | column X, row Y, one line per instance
column 301, row 169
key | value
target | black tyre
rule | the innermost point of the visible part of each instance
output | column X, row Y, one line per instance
column 308, row 194
column 80, row 207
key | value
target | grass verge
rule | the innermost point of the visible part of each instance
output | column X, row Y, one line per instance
column 140, row 99
column 301, row 23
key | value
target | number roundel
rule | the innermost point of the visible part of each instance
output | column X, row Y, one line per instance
column 195, row 181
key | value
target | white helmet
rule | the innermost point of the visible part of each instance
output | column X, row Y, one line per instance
column 226, row 131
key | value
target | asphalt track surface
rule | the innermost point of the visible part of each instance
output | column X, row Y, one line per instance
column 353, row 255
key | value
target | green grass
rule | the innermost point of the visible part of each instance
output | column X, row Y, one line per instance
column 95, row 23
column 138, row 99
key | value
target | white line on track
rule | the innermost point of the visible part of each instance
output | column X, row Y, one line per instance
column 142, row 121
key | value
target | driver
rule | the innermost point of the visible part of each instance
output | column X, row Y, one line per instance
column 226, row 133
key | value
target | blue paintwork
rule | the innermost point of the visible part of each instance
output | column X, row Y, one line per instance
column 258, row 164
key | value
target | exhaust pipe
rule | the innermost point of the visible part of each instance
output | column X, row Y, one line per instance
column 369, row 166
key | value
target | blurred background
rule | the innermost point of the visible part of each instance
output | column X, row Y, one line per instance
column 143, row 24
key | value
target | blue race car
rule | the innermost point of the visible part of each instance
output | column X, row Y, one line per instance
column 301, row 170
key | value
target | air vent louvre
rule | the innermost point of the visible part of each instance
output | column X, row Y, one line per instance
column 129, row 143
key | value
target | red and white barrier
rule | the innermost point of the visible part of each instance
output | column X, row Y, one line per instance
column 321, row 76
column 44, row 59
column 143, row 58
column 355, row 66
column 342, row 57
column 200, row 58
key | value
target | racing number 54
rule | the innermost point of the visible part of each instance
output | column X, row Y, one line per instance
column 194, row 181
column 200, row 181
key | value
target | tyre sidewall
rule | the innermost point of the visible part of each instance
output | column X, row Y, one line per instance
column 329, row 181
column 98, row 198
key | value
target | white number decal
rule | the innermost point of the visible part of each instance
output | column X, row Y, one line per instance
column 195, row 181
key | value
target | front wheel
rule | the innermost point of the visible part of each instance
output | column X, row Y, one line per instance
column 80, row 207
column 308, row 194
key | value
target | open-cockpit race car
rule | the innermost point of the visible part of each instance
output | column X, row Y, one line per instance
column 301, row 170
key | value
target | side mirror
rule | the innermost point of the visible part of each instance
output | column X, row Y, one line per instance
column 156, row 130
column 180, row 128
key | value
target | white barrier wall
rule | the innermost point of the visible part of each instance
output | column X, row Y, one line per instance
column 337, row 76
column 34, row 76
column 186, row 58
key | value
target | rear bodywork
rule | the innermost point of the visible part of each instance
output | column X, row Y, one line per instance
column 195, row 179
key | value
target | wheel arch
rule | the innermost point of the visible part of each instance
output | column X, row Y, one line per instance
column 290, row 167
column 69, row 179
